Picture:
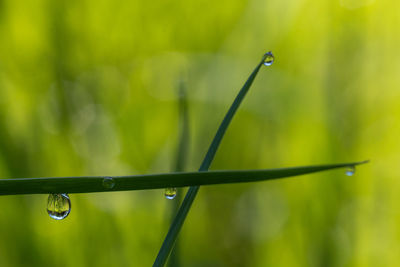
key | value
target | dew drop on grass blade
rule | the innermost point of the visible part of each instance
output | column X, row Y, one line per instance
column 58, row 206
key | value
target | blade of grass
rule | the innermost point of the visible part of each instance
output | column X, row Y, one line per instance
column 181, row 155
column 176, row 225
column 184, row 130
column 153, row 181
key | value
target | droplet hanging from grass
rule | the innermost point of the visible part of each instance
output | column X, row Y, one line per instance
column 108, row 182
column 58, row 206
column 350, row 170
column 269, row 59
column 170, row 193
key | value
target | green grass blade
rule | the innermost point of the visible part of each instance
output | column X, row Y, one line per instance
column 183, row 145
column 192, row 192
column 181, row 156
column 153, row 181
column 228, row 118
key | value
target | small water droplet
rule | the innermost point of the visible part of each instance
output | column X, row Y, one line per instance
column 269, row 59
column 170, row 192
column 108, row 182
column 350, row 170
column 58, row 206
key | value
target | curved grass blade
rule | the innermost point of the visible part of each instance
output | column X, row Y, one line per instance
column 176, row 225
column 153, row 181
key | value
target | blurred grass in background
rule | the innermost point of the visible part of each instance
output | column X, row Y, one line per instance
column 89, row 88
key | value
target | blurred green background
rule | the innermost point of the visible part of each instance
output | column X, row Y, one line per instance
column 90, row 88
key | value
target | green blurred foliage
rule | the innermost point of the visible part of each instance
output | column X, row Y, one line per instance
column 90, row 88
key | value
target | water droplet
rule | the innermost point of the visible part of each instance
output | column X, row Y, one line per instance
column 170, row 192
column 108, row 182
column 350, row 170
column 269, row 59
column 58, row 206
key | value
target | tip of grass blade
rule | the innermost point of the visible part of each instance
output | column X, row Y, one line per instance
column 351, row 168
column 359, row 163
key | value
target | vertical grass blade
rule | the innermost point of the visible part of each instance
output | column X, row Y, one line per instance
column 192, row 192
column 181, row 155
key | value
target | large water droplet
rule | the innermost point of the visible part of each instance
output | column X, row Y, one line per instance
column 350, row 170
column 58, row 206
column 108, row 182
column 170, row 192
column 269, row 59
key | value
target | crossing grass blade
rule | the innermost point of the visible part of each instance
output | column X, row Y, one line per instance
column 153, row 181
column 176, row 225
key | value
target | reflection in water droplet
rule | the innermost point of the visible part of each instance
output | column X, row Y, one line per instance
column 269, row 59
column 58, row 206
column 108, row 182
column 350, row 170
column 170, row 192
